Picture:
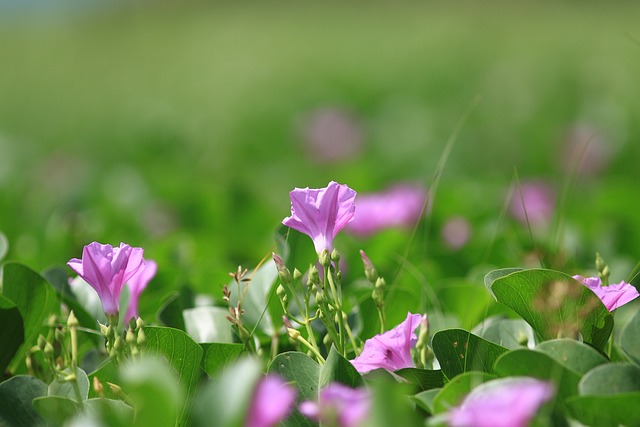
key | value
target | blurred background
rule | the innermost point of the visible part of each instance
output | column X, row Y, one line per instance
column 181, row 126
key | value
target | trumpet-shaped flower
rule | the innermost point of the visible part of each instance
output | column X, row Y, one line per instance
column 612, row 296
column 390, row 350
column 107, row 269
column 271, row 403
column 137, row 284
column 398, row 206
column 321, row 213
column 339, row 405
column 509, row 402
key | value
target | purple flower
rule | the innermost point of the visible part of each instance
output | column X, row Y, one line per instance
column 398, row 206
column 390, row 350
column 509, row 402
column 339, row 405
column 321, row 213
column 538, row 200
column 456, row 232
column 137, row 284
column 271, row 403
column 107, row 269
column 612, row 296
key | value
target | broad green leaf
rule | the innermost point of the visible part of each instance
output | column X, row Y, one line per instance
column 4, row 245
column 612, row 378
column 468, row 302
column 460, row 351
column 424, row 400
column 182, row 353
column 208, row 324
column 605, row 411
column 225, row 399
column 536, row 364
column 256, row 296
column 35, row 299
column 218, row 355
column 11, row 331
column 170, row 312
column 56, row 410
column 114, row 413
column 425, row 379
column 555, row 305
column 16, row 395
column 151, row 385
column 66, row 389
column 629, row 342
column 107, row 372
column 456, row 389
column 339, row 369
column 304, row 373
column 572, row 354
column 508, row 333
column 392, row 406
column 494, row 275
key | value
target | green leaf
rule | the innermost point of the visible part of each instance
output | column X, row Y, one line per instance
column 605, row 411
column 424, row 400
column 16, row 395
column 170, row 313
column 35, row 299
column 339, row 369
column 304, row 373
column 494, row 275
column 183, row 354
column 508, row 333
column 113, row 413
column 256, row 296
column 11, row 331
column 218, row 355
column 455, row 300
column 208, row 324
column 629, row 342
column 612, row 378
column 555, row 305
column 536, row 364
column 455, row 390
column 66, row 389
column 460, row 351
column 55, row 409
column 572, row 354
column 4, row 245
column 425, row 379
column 107, row 372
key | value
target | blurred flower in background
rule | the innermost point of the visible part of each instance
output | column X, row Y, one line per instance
column 271, row 403
column 456, row 232
column 339, row 405
column 401, row 205
column 587, row 149
column 332, row 134
column 532, row 202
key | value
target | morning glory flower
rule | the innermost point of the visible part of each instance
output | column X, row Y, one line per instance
column 107, row 269
column 612, row 296
column 339, row 405
column 137, row 284
column 321, row 213
column 390, row 350
column 398, row 206
column 271, row 403
column 533, row 202
column 508, row 402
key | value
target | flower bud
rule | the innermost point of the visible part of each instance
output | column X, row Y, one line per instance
column 335, row 256
column 139, row 323
column 283, row 271
column 72, row 321
column 41, row 342
column 294, row 334
column 131, row 337
column 48, row 349
column 369, row 270
column 325, row 258
column 104, row 329
column 297, row 275
column 142, row 338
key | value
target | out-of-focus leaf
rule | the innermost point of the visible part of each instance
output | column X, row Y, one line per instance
column 339, row 369
column 218, row 355
column 114, row 413
column 300, row 370
column 456, row 389
column 35, row 299
column 170, row 313
column 56, row 410
column 572, row 354
column 4, row 245
column 612, row 378
column 468, row 302
column 425, row 379
column 208, row 324
column 536, row 364
column 424, row 400
column 508, row 333
column 66, row 389
column 555, row 304
column 605, row 411
column 16, row 395
column 460, row 351
column 629, row 342
column 107, row 372
column 11, row 331
column 391, row 406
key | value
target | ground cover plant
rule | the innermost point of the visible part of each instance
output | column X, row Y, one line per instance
column 271, row 214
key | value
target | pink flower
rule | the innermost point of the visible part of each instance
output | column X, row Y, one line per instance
column 538, row 200
column 456, row 232
column 390, row 350
column 271, row 403
column 339, row 405
column 137, row 284
column 509, row 402
column 321, row 213
column 107, row 269
column 398, row 206
column 612, row 296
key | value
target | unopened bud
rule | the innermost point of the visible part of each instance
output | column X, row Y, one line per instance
column 72, row 321
column 283, row 271
column 327, row 340
column 325, row 258
column 369, row 270
column 104, row 329
column 281, row 292
column 119, row 343
column 297, row 275
column 314, row 276
column 48, row 349
column 335, row 256
column 41, row 342
column 142, row 338
column 98, row 387
column 294, row 334
column 139, row 323
column 115, row 388
column 320, row 298
column 130, row 337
